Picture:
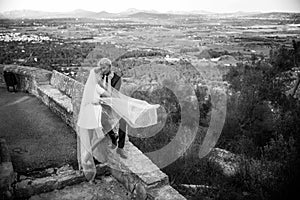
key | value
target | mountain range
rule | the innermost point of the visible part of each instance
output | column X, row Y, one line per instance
column 131, row 13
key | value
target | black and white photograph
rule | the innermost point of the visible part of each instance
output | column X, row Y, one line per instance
column 149, row 100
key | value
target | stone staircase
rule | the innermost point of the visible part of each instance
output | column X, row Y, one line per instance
column 133, row 178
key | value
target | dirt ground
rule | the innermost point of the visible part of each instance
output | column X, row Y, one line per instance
column 36, row 137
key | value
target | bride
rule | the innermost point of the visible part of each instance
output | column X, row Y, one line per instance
column 95, row 120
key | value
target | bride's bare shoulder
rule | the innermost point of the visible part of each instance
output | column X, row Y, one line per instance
column 97, row 70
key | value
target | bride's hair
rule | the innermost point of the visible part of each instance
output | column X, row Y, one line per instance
column 103, row 62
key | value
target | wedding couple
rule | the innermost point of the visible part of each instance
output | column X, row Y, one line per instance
column 102, row 108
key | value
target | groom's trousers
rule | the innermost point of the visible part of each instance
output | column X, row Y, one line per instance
column 122, row 134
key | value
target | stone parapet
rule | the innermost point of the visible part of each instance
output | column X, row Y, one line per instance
column 2, row 82
column 141, row 176
column 64, row 83
column 59, row 103
column 28, row 78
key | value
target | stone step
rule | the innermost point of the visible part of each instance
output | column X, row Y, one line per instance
column 106, row 188
column 28, row 186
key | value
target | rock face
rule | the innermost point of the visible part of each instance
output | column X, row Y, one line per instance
column 224, row 161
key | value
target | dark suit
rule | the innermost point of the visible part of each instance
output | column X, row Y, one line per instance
column 116, row 83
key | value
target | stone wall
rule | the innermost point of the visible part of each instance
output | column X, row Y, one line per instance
column 28, row 78
column 63, row 95
column 2, row 82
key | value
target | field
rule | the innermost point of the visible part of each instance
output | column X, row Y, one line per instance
column 53, row 43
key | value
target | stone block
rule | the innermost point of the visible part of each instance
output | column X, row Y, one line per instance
column 57, row 102
column 140, row 165
column 4, row 151
column 140, row 176
column 2, row 82
column 224, row 161
column 76, row 94
column 7, row 175
column 29, row 77
column 107, row 188
column 64, row 176
column 165, row 193
column 62, row 82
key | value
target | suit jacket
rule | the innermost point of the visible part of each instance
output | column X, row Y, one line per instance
column 115, row 81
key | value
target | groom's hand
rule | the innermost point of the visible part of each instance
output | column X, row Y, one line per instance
column 99, row 102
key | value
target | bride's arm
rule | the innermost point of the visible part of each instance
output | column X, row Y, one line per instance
column 102, row 91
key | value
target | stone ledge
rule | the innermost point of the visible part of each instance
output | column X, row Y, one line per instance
column 2, row 82
column 141, row 176
column 57, row 102
column 143, row 167
column 57, row 96
column 165, row 193
column 28, row 78
column 62, row 82
column 40, row 75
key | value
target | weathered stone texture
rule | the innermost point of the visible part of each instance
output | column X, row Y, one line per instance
column 64, row 83
column 64, row 176
column 29, row 77
column 165, row 193
column 2, row 82
column 106, row 188
column 76, row 99
column 57, row 102
column 224, row 161
column 7, row 175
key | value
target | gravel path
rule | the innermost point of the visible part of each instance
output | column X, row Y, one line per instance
column 36, row 137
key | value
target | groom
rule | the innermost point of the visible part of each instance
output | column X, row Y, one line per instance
column 117, row 140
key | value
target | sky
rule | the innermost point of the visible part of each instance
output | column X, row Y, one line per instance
column 115, row 6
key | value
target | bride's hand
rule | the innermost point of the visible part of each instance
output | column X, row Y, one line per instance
column 102, row 83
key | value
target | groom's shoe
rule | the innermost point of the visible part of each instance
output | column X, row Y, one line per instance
column 122, row 153
column 113, row 146
column 114, row 143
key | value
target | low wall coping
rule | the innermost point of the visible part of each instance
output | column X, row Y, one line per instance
column 40, row 75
